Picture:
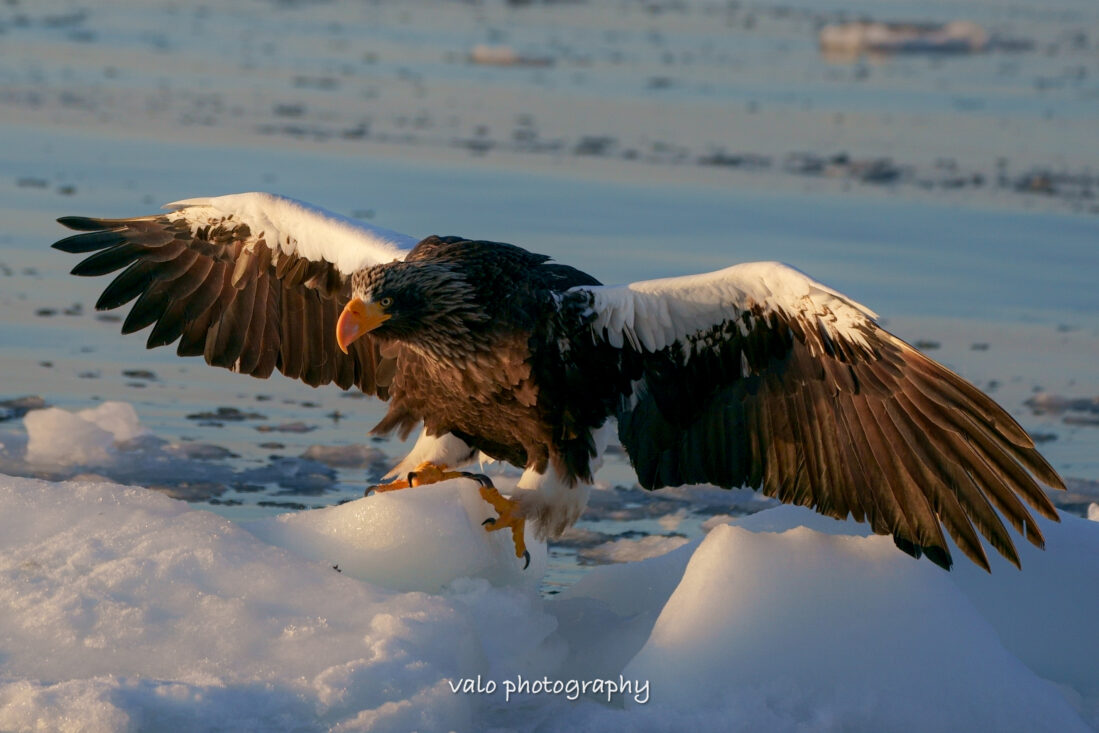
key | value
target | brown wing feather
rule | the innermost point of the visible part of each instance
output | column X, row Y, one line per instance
column 225, row 295
column 872, row 429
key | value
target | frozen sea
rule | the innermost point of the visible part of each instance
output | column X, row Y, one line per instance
column 954, row 195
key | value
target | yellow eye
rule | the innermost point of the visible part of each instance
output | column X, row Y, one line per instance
column 386, row 302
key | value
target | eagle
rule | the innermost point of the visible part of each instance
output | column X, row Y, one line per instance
column 755, row 375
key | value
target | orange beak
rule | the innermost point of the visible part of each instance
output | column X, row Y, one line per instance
column 358, row 318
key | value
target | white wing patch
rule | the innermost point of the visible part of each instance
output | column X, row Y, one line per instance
column 653, row 314
column 299, row 228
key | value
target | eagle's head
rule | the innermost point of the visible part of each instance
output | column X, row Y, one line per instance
column 425, row 304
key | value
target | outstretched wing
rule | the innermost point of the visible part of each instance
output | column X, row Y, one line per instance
column 759, row 376
column 252, row 282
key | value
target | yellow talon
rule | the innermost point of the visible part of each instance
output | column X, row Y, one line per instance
column 426, row 473
column 510, row 516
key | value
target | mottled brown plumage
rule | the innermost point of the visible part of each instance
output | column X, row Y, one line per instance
column 465, row 313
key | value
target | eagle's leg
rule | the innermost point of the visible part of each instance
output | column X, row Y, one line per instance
column 426, row 473
column 511, row 516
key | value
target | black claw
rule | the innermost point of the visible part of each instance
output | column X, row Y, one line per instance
column 411, row 477
column 526, row 558
column 370, row 490
column 490, row 520
column 480, row 478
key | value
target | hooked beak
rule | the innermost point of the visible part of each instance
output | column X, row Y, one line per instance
column 358, row 318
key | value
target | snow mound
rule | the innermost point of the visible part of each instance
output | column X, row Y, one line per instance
column 801, row 630
column 126, row 610
column 88, row 437
column 417, row 539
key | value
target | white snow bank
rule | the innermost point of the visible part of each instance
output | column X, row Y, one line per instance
column 125, row 610
column 88, row 437
column 1045, row 614
column 803, row 630
column 418, row 539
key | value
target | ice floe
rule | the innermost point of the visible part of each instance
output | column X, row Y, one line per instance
column 126, row 610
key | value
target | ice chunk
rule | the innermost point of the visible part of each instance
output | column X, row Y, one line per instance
column 127, row 610
column 802, row 630
column 853, row 38
column 1059, row 582
column 117, row 418
column 59, row 437
column 413, row 539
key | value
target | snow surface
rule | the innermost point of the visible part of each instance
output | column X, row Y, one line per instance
column 126, row 610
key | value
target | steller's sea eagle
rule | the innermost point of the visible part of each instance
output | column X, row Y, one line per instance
column 755, row 375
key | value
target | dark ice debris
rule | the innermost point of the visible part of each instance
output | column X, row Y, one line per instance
column 19, row 406
column 227, row 414
column 595, row 145
column 843, row 166
column 289, row 427
column 139, row 374
column 283, row 505
column 248, row 488
column 751, row 161
column 200, row 451
column 190, row 490
column 296, row 475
